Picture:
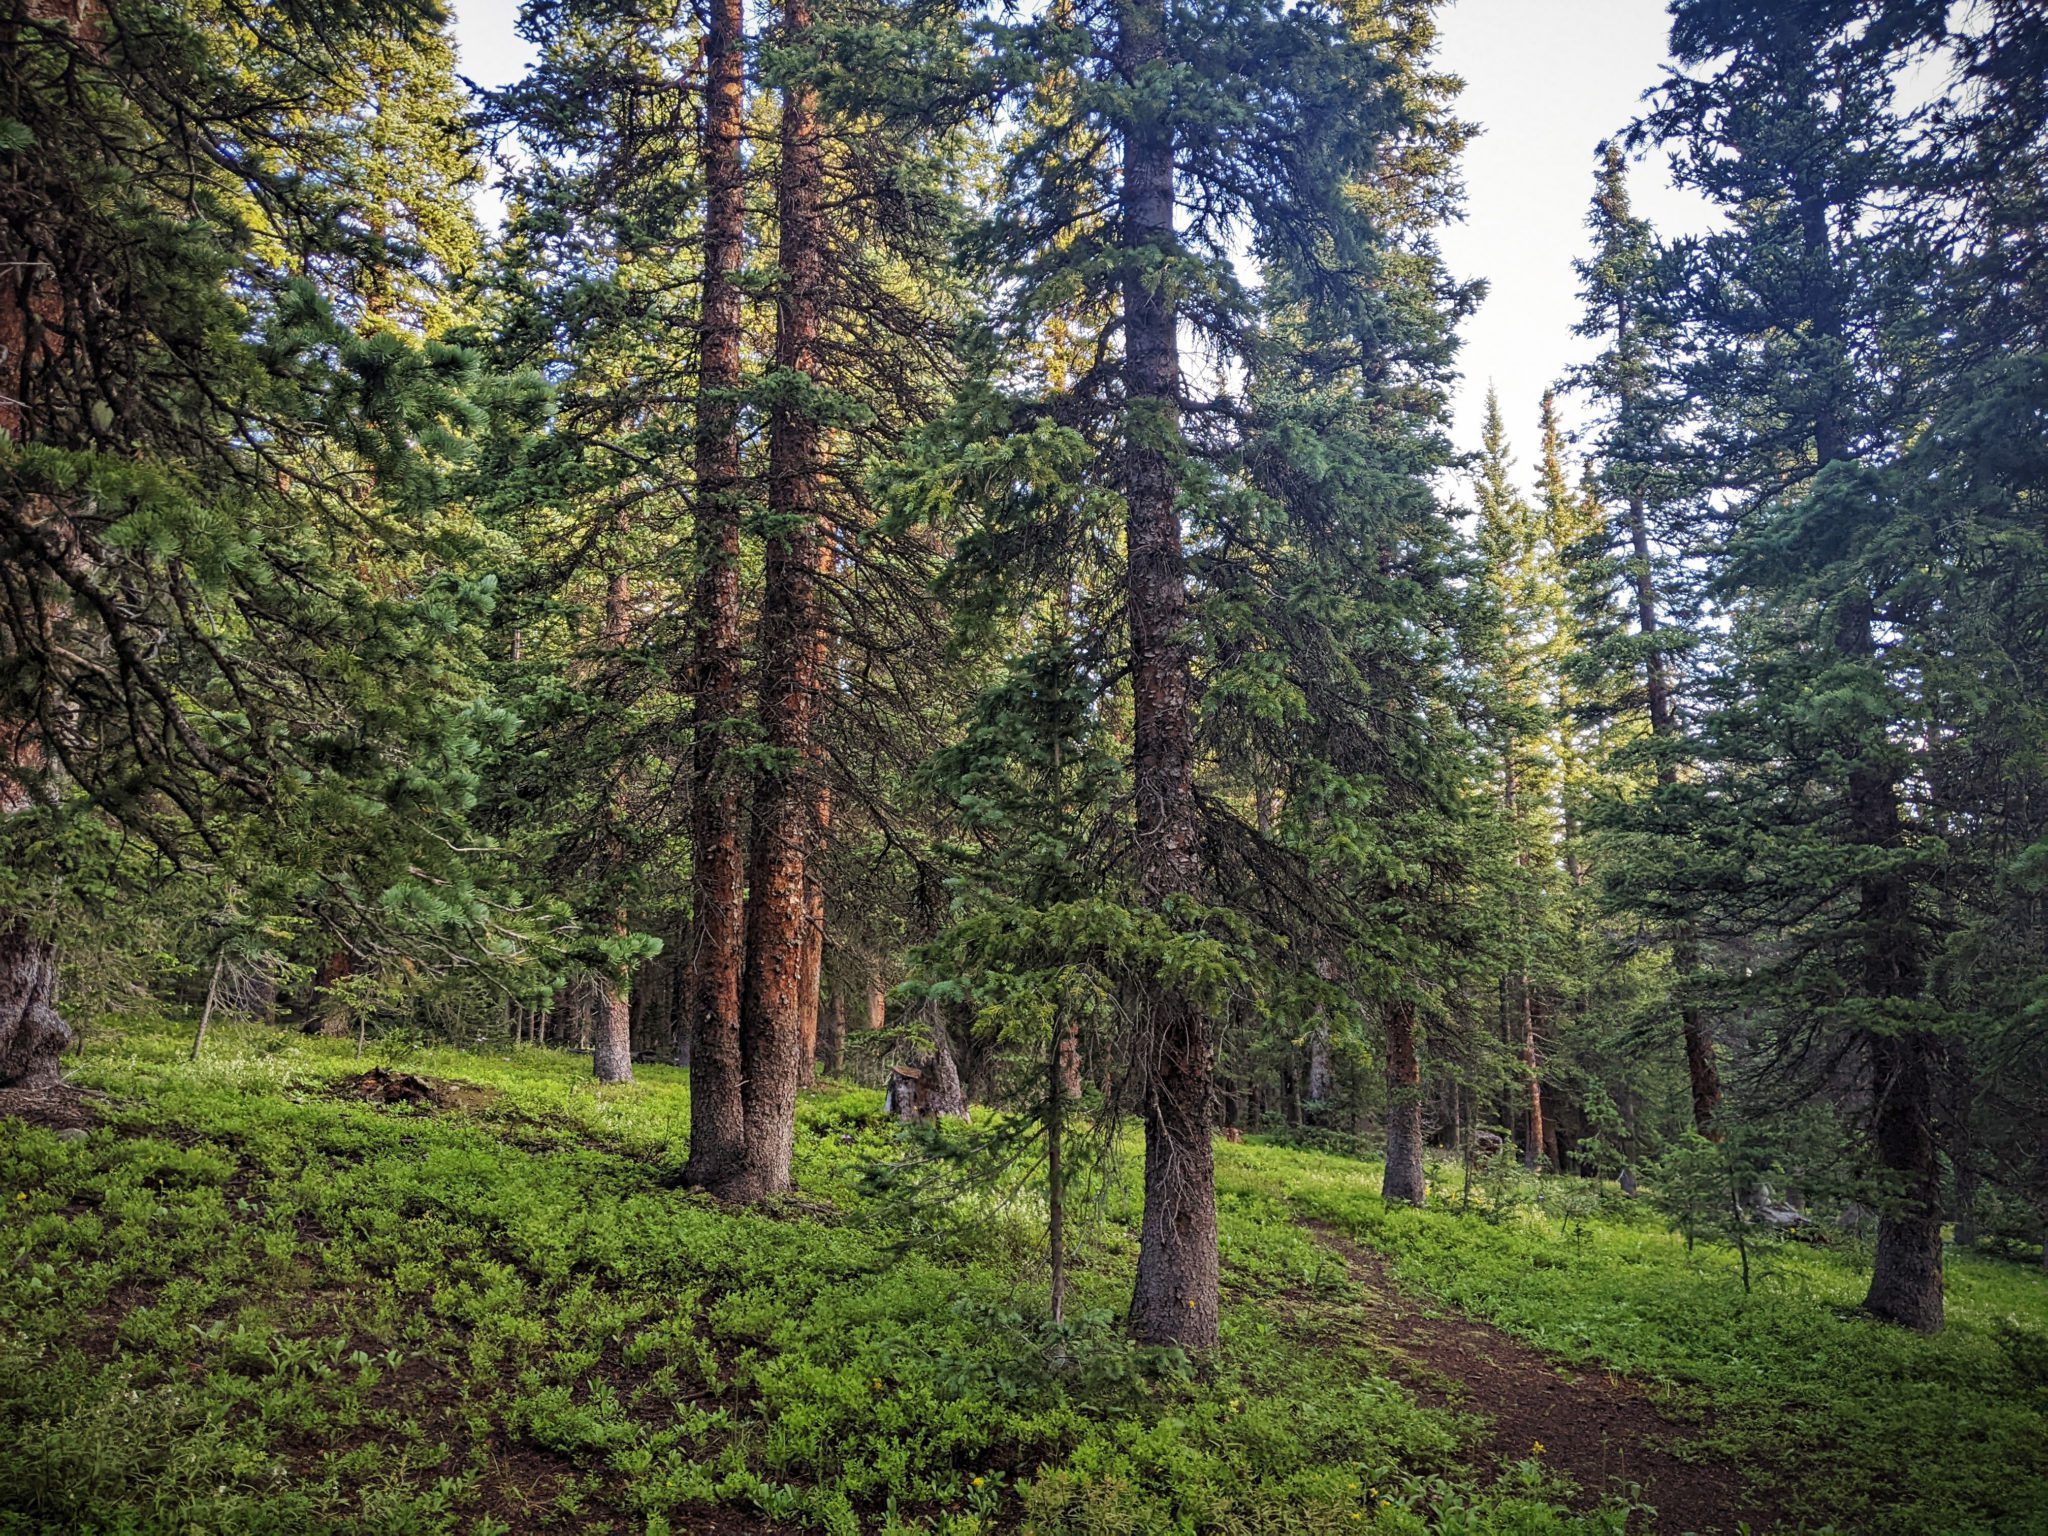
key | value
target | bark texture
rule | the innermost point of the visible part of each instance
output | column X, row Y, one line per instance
column 712, row 991
column 33, row 1036
column 771, row 1000
column 1403, row 1178
column 1905, row 1277
column 612, row 1057
column 1174, row 1299
column 328, row 1016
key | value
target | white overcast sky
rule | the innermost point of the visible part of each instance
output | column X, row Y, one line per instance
column 1546, row 80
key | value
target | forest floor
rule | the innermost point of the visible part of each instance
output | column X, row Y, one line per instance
column 1599, row 1429
column 274, row 1291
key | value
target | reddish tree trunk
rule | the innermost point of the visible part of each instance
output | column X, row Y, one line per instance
column 771, row 1002
column 1403, row 1177
column 1067, row 1061
column 330, row 1018
column 1174, row 1299
column 712, row 992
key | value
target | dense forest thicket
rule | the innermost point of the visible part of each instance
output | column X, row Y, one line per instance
column 925, row 547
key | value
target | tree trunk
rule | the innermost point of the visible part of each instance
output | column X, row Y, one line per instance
column 1174, row 1300
column 206, row 1010
column 1403, row 1178
column 945, row 1096
column 712, row 991
column 330, row 1017
column 1532, row 1153
column 1319, row 1073
column 1067, row 1059
column 1700, row 1066
column 612, row 1057
column 1056, row 1097
column 833, row 1036
column 771, row 1004
column 810, row 987
column 1905, row 1278
column 33, row 1036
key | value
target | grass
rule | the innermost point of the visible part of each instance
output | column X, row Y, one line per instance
column 1860, row 1425
column 249, row 1304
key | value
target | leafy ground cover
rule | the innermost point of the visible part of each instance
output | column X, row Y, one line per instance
column 251, row 1300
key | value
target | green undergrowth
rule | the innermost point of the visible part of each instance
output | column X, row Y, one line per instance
column 250, row 1303
column 1856, row 1424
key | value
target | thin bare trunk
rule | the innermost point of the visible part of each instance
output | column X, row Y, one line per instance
column 833, row 1055
column 206, row 1011
column 1532, row 1153
column 811, row 987
column 611, row 1061
column 1055, row 1173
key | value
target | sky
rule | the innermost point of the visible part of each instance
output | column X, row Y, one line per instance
column 1547, row 80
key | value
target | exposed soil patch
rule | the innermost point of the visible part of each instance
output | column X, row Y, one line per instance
column 381, row 1085
column 58, row 1107
column 1600, row 1430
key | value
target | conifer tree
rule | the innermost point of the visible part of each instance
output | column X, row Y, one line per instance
column 1620, row 288
column 1142, row 138
column 1520, row 599
column 717, row 943
column 1799, row 326
column 240, row 609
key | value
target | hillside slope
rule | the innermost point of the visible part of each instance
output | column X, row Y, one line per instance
column 252, row 1299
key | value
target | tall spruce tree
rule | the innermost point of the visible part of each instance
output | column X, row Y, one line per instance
column 1801, row 329
column 1143, row 140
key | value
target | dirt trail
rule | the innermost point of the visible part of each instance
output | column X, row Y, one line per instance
column 1601, row 1430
